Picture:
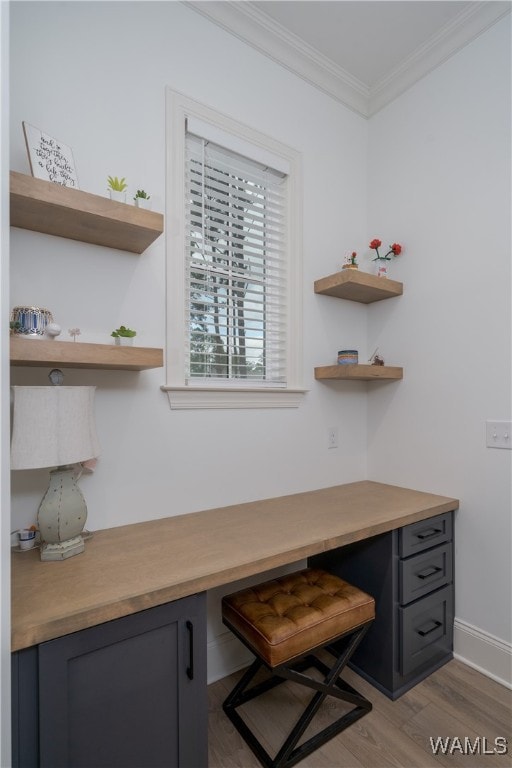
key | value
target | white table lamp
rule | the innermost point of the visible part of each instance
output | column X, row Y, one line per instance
column 54, row 427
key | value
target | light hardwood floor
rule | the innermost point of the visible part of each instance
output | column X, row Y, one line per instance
column 456, row 702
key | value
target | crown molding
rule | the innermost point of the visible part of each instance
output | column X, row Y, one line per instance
column 461, row 30
column 249, row 24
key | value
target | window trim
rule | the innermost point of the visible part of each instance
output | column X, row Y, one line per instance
column 182, row 395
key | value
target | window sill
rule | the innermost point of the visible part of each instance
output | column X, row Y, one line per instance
column 184, row 398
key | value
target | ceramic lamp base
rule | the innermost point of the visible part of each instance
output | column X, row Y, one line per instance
column 62, row 516
column 63, row 549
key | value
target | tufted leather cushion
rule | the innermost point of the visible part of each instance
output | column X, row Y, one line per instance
column 287, row 617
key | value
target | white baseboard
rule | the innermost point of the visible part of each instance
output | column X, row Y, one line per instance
column 485, row 653
column 480, row 650
column 225, row 655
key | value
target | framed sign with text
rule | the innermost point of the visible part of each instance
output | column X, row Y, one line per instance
column 49, row 158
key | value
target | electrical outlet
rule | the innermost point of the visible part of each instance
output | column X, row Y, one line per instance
column 332, row 437
column 498, row 434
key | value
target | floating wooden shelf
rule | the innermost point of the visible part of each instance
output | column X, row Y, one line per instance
column 358, row 286
column 71, row 354
column 359, row 372
column 42, row 206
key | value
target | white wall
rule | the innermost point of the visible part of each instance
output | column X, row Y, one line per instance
column 94, row 76
column 439, row 181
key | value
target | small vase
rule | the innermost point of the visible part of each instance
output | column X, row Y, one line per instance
column 142, row 202
column 118, row 197
column 124, row 341
column 30, row 322
column 381, row 267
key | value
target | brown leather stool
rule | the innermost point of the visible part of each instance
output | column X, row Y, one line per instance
column 284, row 622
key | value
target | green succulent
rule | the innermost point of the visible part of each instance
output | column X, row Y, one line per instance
column 142, row 194
column 118, row 185
column 123, row 331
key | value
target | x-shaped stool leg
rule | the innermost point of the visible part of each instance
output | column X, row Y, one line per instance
column 289, row 754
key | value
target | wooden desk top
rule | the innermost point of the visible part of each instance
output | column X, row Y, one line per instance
column 128, row 569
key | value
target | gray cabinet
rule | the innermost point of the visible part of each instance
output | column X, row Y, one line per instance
column 409, row 572
column 130, row 693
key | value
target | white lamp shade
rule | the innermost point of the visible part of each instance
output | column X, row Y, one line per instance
column 53, row 426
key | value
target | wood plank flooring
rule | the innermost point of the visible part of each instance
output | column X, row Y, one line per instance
column 456, row 703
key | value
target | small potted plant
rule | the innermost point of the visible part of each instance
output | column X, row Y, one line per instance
column 142, row 199
column 117, row 188
column 351, row 262
column 123, row 335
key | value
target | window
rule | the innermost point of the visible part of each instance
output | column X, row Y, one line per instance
column 234, row 264
column 235, row 270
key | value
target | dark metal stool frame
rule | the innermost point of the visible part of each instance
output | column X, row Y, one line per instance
column 332, row 685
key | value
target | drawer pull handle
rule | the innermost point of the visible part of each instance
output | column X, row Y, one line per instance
column 428, row 533
column 428, row 572
column 190, row 668
column 435, row 625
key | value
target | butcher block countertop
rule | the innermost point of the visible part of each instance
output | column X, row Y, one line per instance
column 130, row 568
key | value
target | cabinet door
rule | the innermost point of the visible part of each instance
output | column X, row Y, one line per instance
column 130, row 693
column 25, row 709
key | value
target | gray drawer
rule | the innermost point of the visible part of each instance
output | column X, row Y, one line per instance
column 426, row 630
column 421, row 574
column 427, row 533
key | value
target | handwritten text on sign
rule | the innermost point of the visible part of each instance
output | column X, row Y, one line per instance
column 50, row 159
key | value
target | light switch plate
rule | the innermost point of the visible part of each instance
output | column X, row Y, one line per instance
column 498, row 434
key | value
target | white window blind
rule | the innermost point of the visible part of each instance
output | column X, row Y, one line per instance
column 236, row 268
